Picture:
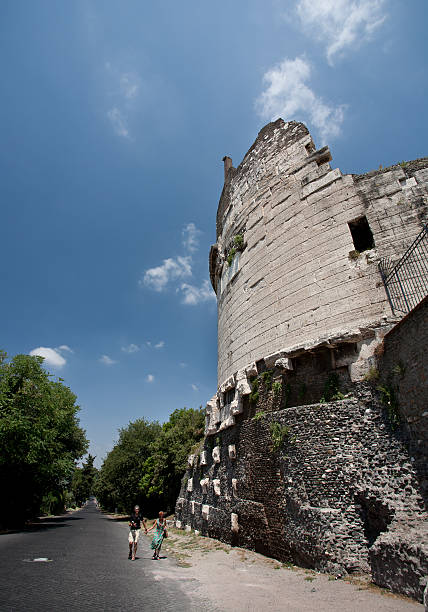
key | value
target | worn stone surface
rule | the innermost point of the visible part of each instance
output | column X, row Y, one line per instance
column 296, row 280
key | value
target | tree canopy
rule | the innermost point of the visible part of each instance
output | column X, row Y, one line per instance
column 148, row 461
column 40, row 437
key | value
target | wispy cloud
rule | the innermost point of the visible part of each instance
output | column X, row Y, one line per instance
column 195, row 387
column 195, row 295
column 65, row 348
column 118, row 122
column 160, row 344
column 50, row 355
column 150, row 378
column 190, row 234
column 172, row 268
column 129, row 85
column 131, row 348
column 341, row 24
column 287, row 95
column 106, row 360
column 176, row 269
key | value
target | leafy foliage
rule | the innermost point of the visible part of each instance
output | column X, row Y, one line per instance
column 120, row 473
column 331, row 389
column 40, row 438
column 279, row 433
column 238, row 241
column 147, row 463
column 82, row 484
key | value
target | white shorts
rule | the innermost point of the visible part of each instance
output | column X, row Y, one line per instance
column 134, row 534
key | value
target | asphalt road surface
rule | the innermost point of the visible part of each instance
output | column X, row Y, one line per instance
column 88, row 569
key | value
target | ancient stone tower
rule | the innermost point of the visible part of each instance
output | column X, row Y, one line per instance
column 304, row 459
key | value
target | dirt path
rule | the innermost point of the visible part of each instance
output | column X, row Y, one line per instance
column 235, row 579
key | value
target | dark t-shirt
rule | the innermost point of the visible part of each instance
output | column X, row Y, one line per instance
column 135, row 520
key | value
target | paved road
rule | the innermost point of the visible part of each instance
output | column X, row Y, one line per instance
column 89, row 569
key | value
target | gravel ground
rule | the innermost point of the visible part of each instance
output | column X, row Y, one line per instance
column 235, row 579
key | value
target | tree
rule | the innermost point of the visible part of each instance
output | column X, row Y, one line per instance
column 117, row 481
column 40, row 437
column 147, row 463
column 164, row 468
column 82, row 484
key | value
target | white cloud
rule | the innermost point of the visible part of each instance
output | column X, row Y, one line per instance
column 131, row 348
column 150, row 378
column 288, row 96
column 129, row 85
column 182, row 364
column 190, row 235
column 171, row 269
column 160, row 344
column 64, row 347
column 195, row 387
column 341, row 24
column 50, row 355
column 106, row 360
column 118, row 122
column 195, row 295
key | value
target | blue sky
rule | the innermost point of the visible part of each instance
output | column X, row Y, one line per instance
column 115, row 117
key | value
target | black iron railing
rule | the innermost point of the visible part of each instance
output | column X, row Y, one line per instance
column 406, row 281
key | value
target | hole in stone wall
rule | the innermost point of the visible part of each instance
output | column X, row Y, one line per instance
column 376, row 516
column 362, row 235
column 229, row 396
column 261, row 366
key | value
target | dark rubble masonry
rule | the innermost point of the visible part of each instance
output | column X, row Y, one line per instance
column 316, row 441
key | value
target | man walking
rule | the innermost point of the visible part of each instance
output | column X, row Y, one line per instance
column 134, row 531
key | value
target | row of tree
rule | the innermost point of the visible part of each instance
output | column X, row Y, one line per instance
column 148, row 461
column 40, row 439
column 41, row 442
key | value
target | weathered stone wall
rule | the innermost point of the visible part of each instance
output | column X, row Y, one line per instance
column 403, row 368
column 340, row 479
column 296, row 280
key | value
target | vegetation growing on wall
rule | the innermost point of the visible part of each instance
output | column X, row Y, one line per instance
column 331, row 391
column 279, row 434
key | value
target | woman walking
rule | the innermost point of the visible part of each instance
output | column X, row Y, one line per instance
column 159, row 535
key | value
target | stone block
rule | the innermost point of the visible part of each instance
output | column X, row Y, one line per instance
column 203, row 458
column 284, row 363
column 235, row 487
column 216, row 485
column 236, row 406
column 192, row 507
column 190, row 459
column 216, row 454
column 190, row 484
column 204, row 485
column 178, row 524
column 188, row 528
column 205, row 512
column 234, row 522
column 232, row 451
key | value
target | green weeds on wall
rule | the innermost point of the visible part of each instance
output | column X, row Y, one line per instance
column 277, row 388
column 254, row 395
column 266, row 378
column 238, row 241
column 279, row 433
column 331, row 391
column 389, row 399
column 259, row 415
column 230, row 256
